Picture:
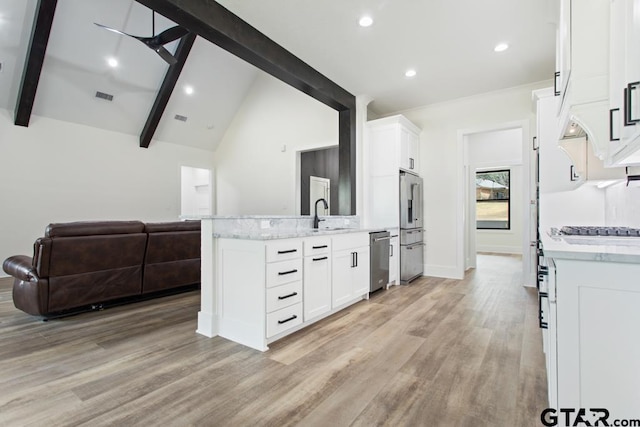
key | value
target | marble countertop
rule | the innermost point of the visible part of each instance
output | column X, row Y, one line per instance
column 606, row 249
column 288, row 234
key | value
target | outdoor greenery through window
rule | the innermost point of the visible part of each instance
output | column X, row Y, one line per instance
column 492, row 200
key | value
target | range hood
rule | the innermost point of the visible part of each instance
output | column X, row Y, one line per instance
column 584, row 137
column 590, row 121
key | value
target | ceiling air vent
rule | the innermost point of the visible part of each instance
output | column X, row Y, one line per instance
column 105, row 96
column 180, row 118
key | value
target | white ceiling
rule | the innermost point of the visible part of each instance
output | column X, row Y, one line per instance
column 449, row 44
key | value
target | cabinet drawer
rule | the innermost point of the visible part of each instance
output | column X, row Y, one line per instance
column 282, row 250
column 349, row 241
column 281, row 320
column 279, row 273
column 283, row 296
column 321, row 245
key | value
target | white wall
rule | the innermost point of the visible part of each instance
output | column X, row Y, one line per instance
column 195, row 191
column 441, row 164
column 491, row 150
column 253, row 173
column 55, row 171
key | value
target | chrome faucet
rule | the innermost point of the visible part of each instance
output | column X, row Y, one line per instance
column 316, row 220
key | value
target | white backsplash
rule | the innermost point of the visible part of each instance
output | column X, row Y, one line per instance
column 276, row 224
column 622, row 205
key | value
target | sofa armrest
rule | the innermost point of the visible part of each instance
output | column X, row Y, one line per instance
column 19, row 266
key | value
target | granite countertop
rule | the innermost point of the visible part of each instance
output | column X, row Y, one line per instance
column 288, row 234
column 605, row 249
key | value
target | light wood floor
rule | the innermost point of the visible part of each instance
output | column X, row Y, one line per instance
column 434, row 353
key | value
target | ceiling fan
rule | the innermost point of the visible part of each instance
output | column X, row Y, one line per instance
column 157, row 41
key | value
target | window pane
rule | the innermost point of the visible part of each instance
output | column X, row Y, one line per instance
column 492, row 200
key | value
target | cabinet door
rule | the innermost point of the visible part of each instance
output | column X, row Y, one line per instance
column 317, row 285
column 557, row 172
column 563, row 46
column 341, row 286
column 360, row 273
column 632, row 69
column 394, row 257
column 408, row 150
column 414, row 146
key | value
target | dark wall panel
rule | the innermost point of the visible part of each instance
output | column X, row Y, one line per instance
column 324, row 164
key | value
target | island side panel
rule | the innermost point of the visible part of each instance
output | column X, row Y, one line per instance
column 208, row 320
column 241, row 278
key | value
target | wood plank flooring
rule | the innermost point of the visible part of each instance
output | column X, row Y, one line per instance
column 434, row 353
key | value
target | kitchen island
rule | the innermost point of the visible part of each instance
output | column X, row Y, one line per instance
column 590, row 304
column 266, row 277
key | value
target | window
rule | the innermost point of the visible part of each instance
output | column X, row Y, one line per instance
column 493, row 210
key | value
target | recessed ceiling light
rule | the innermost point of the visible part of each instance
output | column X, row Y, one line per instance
column 501, row 47
column 365, row 21
column 410, row 73
column 113, row 62
column 188, row 90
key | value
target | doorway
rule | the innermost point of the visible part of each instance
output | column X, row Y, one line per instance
column 319, row 188
column 491, row 150
column 196, row 194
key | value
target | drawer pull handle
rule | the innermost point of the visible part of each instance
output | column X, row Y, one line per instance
column 292, row 294
column 319, row 247
column 282, row 273
column 290, row 251
column 320, row 259
column 287, row 320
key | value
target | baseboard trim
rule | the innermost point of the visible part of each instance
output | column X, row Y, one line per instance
column 514, row 250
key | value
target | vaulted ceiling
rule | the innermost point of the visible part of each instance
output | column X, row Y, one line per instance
column 449, row 44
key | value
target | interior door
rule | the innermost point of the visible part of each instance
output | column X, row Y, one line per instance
column 319, row 188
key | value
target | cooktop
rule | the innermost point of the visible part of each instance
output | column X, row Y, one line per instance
column 599, row 231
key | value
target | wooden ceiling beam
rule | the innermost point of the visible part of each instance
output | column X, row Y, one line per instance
column 40, row 32
column 166, row 89
column 213, row 22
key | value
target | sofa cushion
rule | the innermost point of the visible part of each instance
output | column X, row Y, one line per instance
column 85, row 254
column 92, row 228
column 161, row 227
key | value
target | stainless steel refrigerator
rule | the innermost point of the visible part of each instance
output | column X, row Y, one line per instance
column 411, row 231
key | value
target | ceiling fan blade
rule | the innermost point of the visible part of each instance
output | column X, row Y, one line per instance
column 169, row 35
column 119, row 32
column 166, row 55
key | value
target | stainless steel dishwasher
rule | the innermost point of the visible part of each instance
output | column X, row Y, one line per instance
column 379, row 259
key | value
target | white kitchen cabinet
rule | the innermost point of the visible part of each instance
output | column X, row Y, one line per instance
column 264, row 290
column 555, row 166
column 563, row 53
column 394, row 257
column 391, row 144
column 350, row 270
column 624, row 82
column 408, row 150
column 317, row 277
column 597, row 357
column 583, row 89
column 566, row 164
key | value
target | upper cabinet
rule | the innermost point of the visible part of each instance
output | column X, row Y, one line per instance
column 408, row 149
column 556, row 170
column 563, row 52
column 582, row 77
column 624, row 82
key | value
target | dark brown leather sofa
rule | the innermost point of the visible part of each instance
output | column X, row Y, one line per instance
column 82, row 264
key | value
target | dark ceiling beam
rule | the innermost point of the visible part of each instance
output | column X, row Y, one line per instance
column 168, row 84
column 213, row 22
column 40, row 32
